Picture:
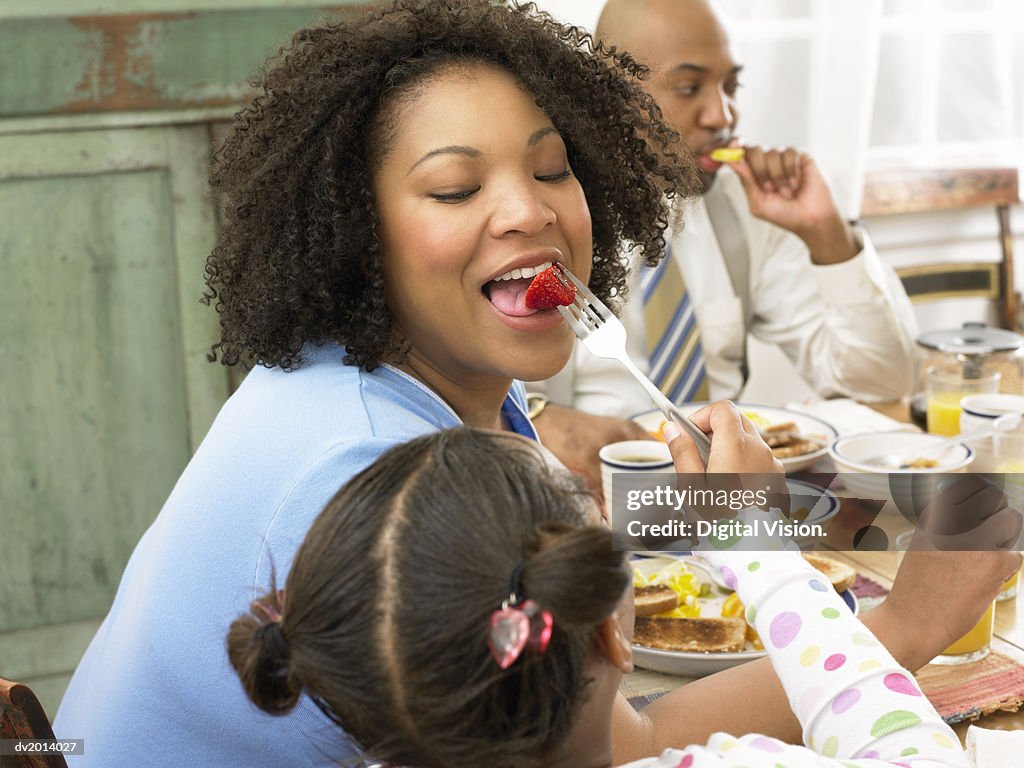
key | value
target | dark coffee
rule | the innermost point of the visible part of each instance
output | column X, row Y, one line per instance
column 919, row 411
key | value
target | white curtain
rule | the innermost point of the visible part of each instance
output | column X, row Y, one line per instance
column 875, row 83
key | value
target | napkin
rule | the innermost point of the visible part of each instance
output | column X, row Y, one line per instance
column 850, row 417
column 994, row 749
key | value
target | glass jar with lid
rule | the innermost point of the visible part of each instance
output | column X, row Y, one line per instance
column 976, row 351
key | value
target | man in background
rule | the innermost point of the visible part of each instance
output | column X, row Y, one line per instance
column 763, row 251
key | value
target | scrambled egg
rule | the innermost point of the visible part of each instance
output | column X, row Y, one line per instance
column 757, row 419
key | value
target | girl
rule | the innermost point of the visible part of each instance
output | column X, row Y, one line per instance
column 419, row 566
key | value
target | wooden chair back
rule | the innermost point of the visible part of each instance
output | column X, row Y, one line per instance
column 22, row 717
column 896, row 192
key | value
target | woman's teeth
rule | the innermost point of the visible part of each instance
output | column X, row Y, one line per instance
column 517, row 274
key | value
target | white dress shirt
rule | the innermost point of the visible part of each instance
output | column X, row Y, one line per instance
column 849, row 328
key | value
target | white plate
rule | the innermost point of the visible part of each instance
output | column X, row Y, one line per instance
column 700, row 664
column 808, row 425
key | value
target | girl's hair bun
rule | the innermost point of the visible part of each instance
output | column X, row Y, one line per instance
column 577, row 574
column 259, row 652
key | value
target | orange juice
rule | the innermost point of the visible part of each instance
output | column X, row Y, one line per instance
column 944, row 413
column 947, row 385
column 978, row 639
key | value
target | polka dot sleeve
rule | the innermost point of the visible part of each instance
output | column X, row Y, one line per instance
column 856, row 705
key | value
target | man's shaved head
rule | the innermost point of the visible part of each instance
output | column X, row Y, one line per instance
column 619, row 19
column 637, row 24
column 694, row 69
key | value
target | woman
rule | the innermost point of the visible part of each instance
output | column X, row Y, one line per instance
column 394, row 166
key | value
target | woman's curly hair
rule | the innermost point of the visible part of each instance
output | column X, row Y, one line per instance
column 298, row 259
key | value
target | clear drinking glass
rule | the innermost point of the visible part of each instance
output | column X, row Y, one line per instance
column 947, row 386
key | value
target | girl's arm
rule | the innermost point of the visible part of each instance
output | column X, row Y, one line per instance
column 853, row 700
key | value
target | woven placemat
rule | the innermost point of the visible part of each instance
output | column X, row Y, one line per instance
column 968, row 691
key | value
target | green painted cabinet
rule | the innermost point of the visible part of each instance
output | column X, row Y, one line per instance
column 106, row 120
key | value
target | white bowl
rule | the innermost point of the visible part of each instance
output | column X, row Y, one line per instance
column 850, row 454
column 986, row 407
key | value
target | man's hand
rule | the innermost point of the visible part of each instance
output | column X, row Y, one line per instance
column 575, row 438
column 785, row 188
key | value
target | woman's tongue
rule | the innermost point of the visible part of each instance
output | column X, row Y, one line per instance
column 509, row 296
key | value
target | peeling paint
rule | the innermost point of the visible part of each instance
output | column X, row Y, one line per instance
column 120, row 75
column 142, row 61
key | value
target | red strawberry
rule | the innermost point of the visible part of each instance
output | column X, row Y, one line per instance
column 550, row 289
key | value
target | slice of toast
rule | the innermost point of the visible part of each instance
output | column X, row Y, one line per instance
column 654, row 598
column 793, row 447
column 700, row 635
column 839, row 574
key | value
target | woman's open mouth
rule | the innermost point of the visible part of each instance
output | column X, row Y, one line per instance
column 507, row 292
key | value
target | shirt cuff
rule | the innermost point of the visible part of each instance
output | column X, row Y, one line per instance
column 853, row 281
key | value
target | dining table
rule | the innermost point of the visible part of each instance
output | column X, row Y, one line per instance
column 879, row 568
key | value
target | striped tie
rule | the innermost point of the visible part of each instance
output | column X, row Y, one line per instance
column 673, row 339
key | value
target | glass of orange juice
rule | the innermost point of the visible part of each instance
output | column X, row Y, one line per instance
column 947, row 386
column 974, row 645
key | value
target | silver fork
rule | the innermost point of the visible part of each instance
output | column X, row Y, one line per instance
column 603, row 334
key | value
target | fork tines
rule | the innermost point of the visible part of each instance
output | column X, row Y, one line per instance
column 580, row 323
column 586, row 309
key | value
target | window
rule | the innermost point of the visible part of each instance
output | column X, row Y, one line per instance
column 876, row 83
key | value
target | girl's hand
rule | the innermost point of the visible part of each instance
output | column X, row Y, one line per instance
column 739, row 461
column 736, row 445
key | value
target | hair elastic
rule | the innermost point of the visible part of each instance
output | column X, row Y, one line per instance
column 269, row 613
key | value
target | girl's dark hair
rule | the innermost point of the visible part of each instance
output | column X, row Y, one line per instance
column 389, row 600
column 298, row 259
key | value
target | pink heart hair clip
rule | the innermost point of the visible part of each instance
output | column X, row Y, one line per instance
column 518, row 624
